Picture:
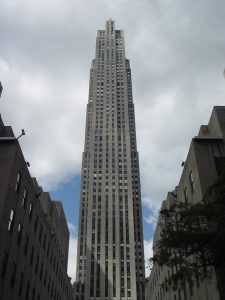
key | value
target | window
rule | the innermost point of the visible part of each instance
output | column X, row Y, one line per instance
column 30, row 210
column 45, row 278
column 13, row 275
column 128, row 283
column 191, row 180
column 11, row 220
column 21, row 284
column 33, row 293
column 28, row 290
column 114, row 280
column 32, row 256
column 37, row 264
column 179, row 294
column 44, row 241
column 4, row 264
column 128, row 268
column 24, row 199
column 106, row 279
column 41, row 271
column 20, row 232
column 26, row 245
column 40, row 233
column 18, row 181
column 36, row 224
column 185, row 195
column 98, row 280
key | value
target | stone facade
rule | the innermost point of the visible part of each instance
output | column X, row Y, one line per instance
column 204, row 162
column 110, row 245
column 34, row 237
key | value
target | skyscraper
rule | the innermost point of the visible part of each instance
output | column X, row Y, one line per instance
column 110, row 246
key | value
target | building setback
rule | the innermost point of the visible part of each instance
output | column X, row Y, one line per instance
column 203, row 165
column 34, row 237
column 110, row 246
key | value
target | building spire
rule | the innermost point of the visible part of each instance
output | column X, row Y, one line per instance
column 110, row 24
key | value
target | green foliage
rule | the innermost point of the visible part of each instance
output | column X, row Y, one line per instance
column 192, row 238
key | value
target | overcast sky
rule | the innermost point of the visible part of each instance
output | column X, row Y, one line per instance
column 177, row 54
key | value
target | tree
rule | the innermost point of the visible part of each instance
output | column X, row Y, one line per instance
column 192, row 239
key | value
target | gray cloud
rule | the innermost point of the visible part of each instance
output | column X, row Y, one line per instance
column 177, row 52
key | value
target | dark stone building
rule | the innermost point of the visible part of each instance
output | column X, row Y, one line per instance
column 204, row 163
column 34, row 236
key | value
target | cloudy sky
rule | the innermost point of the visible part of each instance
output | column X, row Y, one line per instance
column 177, row 53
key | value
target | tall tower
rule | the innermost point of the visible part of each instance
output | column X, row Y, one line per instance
column 110, row 246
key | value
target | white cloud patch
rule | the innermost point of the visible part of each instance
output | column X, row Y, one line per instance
column 152, row 209
column 177, row 53
column 72, row 229
column 50, row 114
column 148, row 255
column 72, row 261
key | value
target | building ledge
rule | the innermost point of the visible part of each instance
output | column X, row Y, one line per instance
column 7, row 139
column 207, row 138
